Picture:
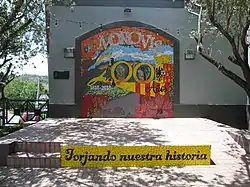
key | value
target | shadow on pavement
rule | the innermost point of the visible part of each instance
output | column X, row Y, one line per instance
column 91, row 132
column 136, row 177
column 97, row 131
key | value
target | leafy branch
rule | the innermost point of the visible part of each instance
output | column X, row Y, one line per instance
column 232, row 23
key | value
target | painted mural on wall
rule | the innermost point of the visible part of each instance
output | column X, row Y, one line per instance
column 127, row 72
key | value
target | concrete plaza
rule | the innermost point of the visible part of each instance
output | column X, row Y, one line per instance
column 231, row 161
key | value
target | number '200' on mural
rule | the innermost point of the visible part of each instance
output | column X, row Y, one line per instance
column 128, row 72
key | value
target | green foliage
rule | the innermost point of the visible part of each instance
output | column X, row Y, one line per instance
column 33, row 78
column 113, row 93
column 22, row 33
column 231, row 15
column 20, row 89
column 4, row 130
column 11, row 129
column 44, row 81
column 22, row 28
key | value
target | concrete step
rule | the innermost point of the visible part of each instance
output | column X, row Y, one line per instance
column 33, row 155
column 34, row 160
column 37, row 147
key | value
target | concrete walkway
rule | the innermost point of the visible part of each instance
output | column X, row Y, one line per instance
column 231, row 169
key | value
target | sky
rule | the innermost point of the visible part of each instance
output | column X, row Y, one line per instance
column 41, row 68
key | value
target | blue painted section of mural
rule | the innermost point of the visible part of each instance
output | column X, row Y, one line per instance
column 131, row 54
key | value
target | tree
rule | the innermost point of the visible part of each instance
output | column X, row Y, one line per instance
column 20, row 89
column 229, row 19
column 22, row 33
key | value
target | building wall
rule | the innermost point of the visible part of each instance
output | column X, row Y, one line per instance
column 199, row 82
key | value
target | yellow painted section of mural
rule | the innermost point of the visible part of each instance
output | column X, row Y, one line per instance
column 134, row 156
column 142, row 89
column 100, row 78
column 152, row 94
column 132, row 73
column 166, row 59
column 163, row 92
column 130, row 86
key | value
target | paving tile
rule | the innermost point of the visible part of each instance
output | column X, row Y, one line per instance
column 42, row 162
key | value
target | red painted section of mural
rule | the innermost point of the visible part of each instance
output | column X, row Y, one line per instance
column 138, row 88
column 92, row 103
column 157, row 107
column 121, row 35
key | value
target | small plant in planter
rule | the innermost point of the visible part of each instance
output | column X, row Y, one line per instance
column 6, row 130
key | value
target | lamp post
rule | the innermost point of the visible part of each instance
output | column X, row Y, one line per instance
column 199, row 24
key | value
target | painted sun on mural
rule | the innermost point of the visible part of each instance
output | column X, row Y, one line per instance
column 129, row 73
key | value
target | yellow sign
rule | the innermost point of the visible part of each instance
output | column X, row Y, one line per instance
column 133, row 156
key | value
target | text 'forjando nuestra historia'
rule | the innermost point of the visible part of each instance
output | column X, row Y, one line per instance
column 168, row 155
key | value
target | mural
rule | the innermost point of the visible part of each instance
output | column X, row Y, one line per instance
column 127, row 72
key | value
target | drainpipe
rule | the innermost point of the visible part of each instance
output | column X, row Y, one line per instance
column 47, row 20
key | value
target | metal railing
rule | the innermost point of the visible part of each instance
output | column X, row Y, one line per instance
column 18, row 111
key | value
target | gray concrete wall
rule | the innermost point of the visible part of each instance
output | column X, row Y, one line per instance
column 200, row 82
